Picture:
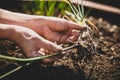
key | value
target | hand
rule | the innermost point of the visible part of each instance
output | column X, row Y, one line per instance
column 29, row 41
column 54, row 29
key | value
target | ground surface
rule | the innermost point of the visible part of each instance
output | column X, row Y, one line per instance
column 76, row 64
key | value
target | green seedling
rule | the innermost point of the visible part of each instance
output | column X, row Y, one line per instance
column 78, row 15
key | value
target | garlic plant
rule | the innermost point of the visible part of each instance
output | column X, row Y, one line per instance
column 85, row 37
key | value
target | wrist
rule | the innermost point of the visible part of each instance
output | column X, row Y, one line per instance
column 6, row 31
column 8, row 17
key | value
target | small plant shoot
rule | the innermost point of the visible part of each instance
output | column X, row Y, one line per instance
column 85, row 37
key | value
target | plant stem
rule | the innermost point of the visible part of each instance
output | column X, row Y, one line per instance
column 82, row 10
column 30, row 59
column 14, row 70
column 25, row 59
column 8, row 73
column 36, row 58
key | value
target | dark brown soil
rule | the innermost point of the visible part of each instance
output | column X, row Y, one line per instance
column 77, row 64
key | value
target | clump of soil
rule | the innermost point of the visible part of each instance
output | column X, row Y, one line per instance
column 77, row 64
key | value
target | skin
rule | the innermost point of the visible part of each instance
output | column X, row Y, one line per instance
column 36, row 34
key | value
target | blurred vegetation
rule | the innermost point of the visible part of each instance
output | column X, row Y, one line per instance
column 47, row 8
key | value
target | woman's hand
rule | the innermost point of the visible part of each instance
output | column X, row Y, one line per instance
column 55, row 29
column 29, row 41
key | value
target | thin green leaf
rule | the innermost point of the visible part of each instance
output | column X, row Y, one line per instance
column 36, row 58
column 15, row 69
column 10, row 72
column 71, row 15
column 79, row 10
column 26, row 59
column 51, row 8
column 70, row 4
column 82, row 9
column 87, row 13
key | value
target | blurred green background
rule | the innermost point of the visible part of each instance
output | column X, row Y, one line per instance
column 57, row 9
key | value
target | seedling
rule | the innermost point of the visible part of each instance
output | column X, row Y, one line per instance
column 85, row 37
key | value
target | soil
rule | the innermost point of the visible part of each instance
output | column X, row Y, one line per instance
column 77, row 64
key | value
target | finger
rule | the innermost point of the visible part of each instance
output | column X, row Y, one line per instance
column 72, row 39
column 75, row 25
column 63, row 38
column 45, row 51
column 50, row 46
column 74, row 32
column 34, row 53
column 42, row 51
column 74, row 35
